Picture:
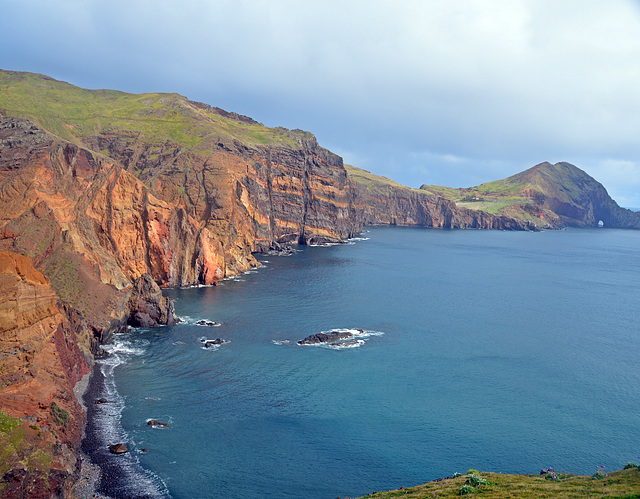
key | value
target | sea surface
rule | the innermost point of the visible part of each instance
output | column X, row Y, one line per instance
column 500, row 351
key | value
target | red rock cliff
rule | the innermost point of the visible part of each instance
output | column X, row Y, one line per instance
column 41, row 363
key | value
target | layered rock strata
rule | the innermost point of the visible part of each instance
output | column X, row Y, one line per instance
column 41, row 363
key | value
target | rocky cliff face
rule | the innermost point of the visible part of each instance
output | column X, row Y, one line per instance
column 41, row 363
column 380, row 201
column 109, row 205
column 247, row 197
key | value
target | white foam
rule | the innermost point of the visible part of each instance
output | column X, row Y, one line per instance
column 324, row 245
column 280, row 342
column 107, row 419
column 128, row 348
column 343, row 345
column 193, row 321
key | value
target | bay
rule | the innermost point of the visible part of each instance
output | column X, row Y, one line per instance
column 501, row 351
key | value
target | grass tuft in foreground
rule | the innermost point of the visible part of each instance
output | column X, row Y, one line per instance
column 617, row 484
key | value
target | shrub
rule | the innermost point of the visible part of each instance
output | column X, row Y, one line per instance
column 473, row 472
column 600, row 473
column 476, row 481
column 629, row 466
column 466, row 489
column 60, row 415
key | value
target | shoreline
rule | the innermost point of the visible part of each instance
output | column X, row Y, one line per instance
column 88, row 483
column 105, row 475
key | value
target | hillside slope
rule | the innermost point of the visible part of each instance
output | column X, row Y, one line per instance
column 617, row 484
column 550, row 196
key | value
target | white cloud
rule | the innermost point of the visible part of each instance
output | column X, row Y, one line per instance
column 498, row 85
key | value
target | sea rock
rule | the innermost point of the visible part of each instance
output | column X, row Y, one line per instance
column 154, row 422
column 148, row 307
column 101, row 401
column 208, row 323
column 330, row 337
column 211, row 343
column 118, row 449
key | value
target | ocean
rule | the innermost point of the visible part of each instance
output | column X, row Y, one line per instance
column 500, row 351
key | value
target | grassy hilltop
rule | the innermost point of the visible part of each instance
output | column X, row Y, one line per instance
column 618, row 484
column 75, row 114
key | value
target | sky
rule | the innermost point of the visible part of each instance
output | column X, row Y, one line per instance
column 448, row 92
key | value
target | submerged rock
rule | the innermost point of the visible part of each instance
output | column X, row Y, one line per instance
column 154, row 422
column 346, row 344
column 208, row 323
column 210, row 343
column 331, row 337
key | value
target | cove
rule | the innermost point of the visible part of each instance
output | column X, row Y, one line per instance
column 501, row 351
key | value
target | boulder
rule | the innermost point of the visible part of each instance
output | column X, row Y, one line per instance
column 147, row 307
column 118, row 449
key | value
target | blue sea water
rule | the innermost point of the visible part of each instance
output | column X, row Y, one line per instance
column 501, row 351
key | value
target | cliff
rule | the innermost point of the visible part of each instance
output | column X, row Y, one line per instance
column 380, row 200
column 110, row 195
column 41, row 420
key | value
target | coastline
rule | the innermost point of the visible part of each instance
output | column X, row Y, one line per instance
column 105, row 475
column 90, row 473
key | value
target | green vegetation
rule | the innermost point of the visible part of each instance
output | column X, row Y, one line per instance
column 60, row 415
column 77, row 114
column 368, row 179
column 492, row 197
column 618, row 484
column 376, row 184
column 17, row 449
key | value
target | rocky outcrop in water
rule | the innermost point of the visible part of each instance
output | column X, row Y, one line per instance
column 331, row 337
column 147, row 307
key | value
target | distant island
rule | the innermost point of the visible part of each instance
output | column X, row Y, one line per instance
column 107, row 196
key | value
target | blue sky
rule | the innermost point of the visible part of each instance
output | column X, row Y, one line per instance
column 428, row 91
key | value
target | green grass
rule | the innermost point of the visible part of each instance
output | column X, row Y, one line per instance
column 17, row 451
column 76, row 114
column 493, row 205
column 618, row 484
column 376, row 184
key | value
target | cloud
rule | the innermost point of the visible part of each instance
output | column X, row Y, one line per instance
column 402, row 85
